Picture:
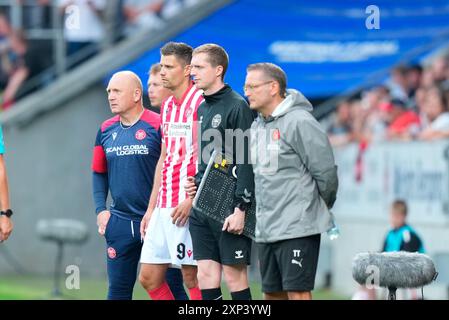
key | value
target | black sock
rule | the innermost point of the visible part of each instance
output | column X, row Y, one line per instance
column 212, row 294
column 245, row 294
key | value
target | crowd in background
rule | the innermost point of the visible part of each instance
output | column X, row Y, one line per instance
column 85, row 24
column 411, row 105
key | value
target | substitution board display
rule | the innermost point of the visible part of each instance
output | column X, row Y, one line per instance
column 216, row 193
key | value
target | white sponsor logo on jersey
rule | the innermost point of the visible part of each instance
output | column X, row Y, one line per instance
column 179, row 129
column 129, row 150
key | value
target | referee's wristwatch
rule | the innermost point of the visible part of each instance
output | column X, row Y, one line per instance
column 243, row 206
column 7, row 212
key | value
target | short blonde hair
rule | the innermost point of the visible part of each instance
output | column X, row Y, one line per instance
column 216, row 54
column 155, row 69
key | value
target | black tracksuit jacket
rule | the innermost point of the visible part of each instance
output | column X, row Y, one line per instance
column 222, row 111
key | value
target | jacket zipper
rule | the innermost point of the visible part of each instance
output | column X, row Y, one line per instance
column 262, row 228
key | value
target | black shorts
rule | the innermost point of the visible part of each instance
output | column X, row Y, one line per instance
column 289, row 265
column 211, row 243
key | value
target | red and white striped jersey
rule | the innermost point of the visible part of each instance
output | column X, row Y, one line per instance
column 179, row 133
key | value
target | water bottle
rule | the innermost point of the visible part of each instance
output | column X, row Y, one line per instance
column 333, row 231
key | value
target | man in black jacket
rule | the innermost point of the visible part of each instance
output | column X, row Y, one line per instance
column 225, row 117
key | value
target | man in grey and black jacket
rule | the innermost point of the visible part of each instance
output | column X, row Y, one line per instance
column 295, row 183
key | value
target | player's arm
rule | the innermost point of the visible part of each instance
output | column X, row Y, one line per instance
column 312, row 145
column 100, row 184
column 155, row 191
column 157, row 178
column 242, row 117
column 193, row 182
column 181, row 213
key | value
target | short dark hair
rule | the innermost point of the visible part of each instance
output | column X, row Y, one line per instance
column 415, row 67
column 272, row 71
column 398, row 103
column 402, row 69
column 182, row 51
column 155, row 68
column 400, row 206
column 217, row 55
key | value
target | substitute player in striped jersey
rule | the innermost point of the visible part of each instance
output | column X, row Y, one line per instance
column 165, row 226
column 157, row 94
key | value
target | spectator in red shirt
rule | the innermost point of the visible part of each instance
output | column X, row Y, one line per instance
column 404, row 124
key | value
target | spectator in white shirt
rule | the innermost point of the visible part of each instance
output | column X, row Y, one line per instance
column 83, row 24
column 143, row 14
column 436, row 110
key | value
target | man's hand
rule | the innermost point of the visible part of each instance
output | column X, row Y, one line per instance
column 181, row 213
column 190, row 187
column 235, row 222
column 102, row 221
column 144, row 223
column 6, row 227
